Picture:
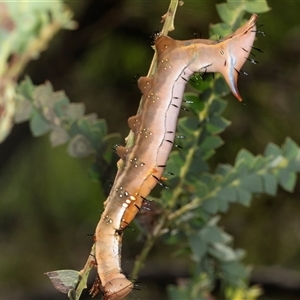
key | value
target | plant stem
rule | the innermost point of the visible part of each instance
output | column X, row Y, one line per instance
column 151, row 239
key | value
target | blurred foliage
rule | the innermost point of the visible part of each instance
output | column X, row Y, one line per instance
column 25, row 30
column 38, row 212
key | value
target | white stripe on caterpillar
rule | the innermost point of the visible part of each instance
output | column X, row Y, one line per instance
column 154, row 129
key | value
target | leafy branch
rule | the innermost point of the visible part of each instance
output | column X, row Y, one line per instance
column 25, row 31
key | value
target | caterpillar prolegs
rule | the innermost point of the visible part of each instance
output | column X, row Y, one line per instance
column 154, row 129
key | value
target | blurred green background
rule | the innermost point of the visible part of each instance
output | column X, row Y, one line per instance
column 49, row 206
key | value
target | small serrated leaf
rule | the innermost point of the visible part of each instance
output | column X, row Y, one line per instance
column 270, row 184
column 64, row 280
column 193, row 102
column 217, row 124
column 211, row 142
column 220, row 88
column 244, row 197
column 222, row 252
column 38, row 125
column 80, row 146
column 211, row 205
column 198, row 246
column 218, row 30
column 257, row 7
column 241, row 168
column 59, row 136
column 233, row 268
column 258, row 163
column 188, row 126
column 75, row 111
column 211, row 234
column 25, row 88
column 244, row 155
column 217, row 106
column 287, row 180
column 198, row 83
column 272, row 150
column 228, row 194
column 252, row 183
column 230, row 12
column 23, row 109
column 290, row 149
column 43, row 95
column 61, row 104
column 223, row 169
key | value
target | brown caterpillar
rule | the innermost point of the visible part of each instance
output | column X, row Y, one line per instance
column 154, row 129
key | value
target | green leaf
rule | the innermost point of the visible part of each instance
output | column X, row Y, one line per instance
column 233, row 268
column 211, row 142
column 75, row 111
column 23, row 109
column 64, row 280
column 211, row 206
column 99, row 127
column 290, row 149
column 59, row 136
column 193, row 102
column 258, row 163
column 228, row 193
column 25, row 88
column 211, row 234
column 287, row 180
column 188, row 126
column 38, row 125
column 231, row 177
column 222, row 252
column 61, row 104
column 244, row 197
column 198, row 187
column 198, row 83
column 257, row 6
column 178, row 293
column 223, row 169
column 43, row 95
column 219, row 30
column 217, row 106
column 217, row 124
column 92, row 128
column 80, row 146
column 272, row 150
column 198, row 246
column 244, row 155
column 252, row 183
column 270, row 184
column 224, row 12
column 175, row 163
column 294, row 165
column 230, row 13
column 242, row 168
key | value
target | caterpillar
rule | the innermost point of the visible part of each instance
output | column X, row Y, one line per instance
column 154, row 130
